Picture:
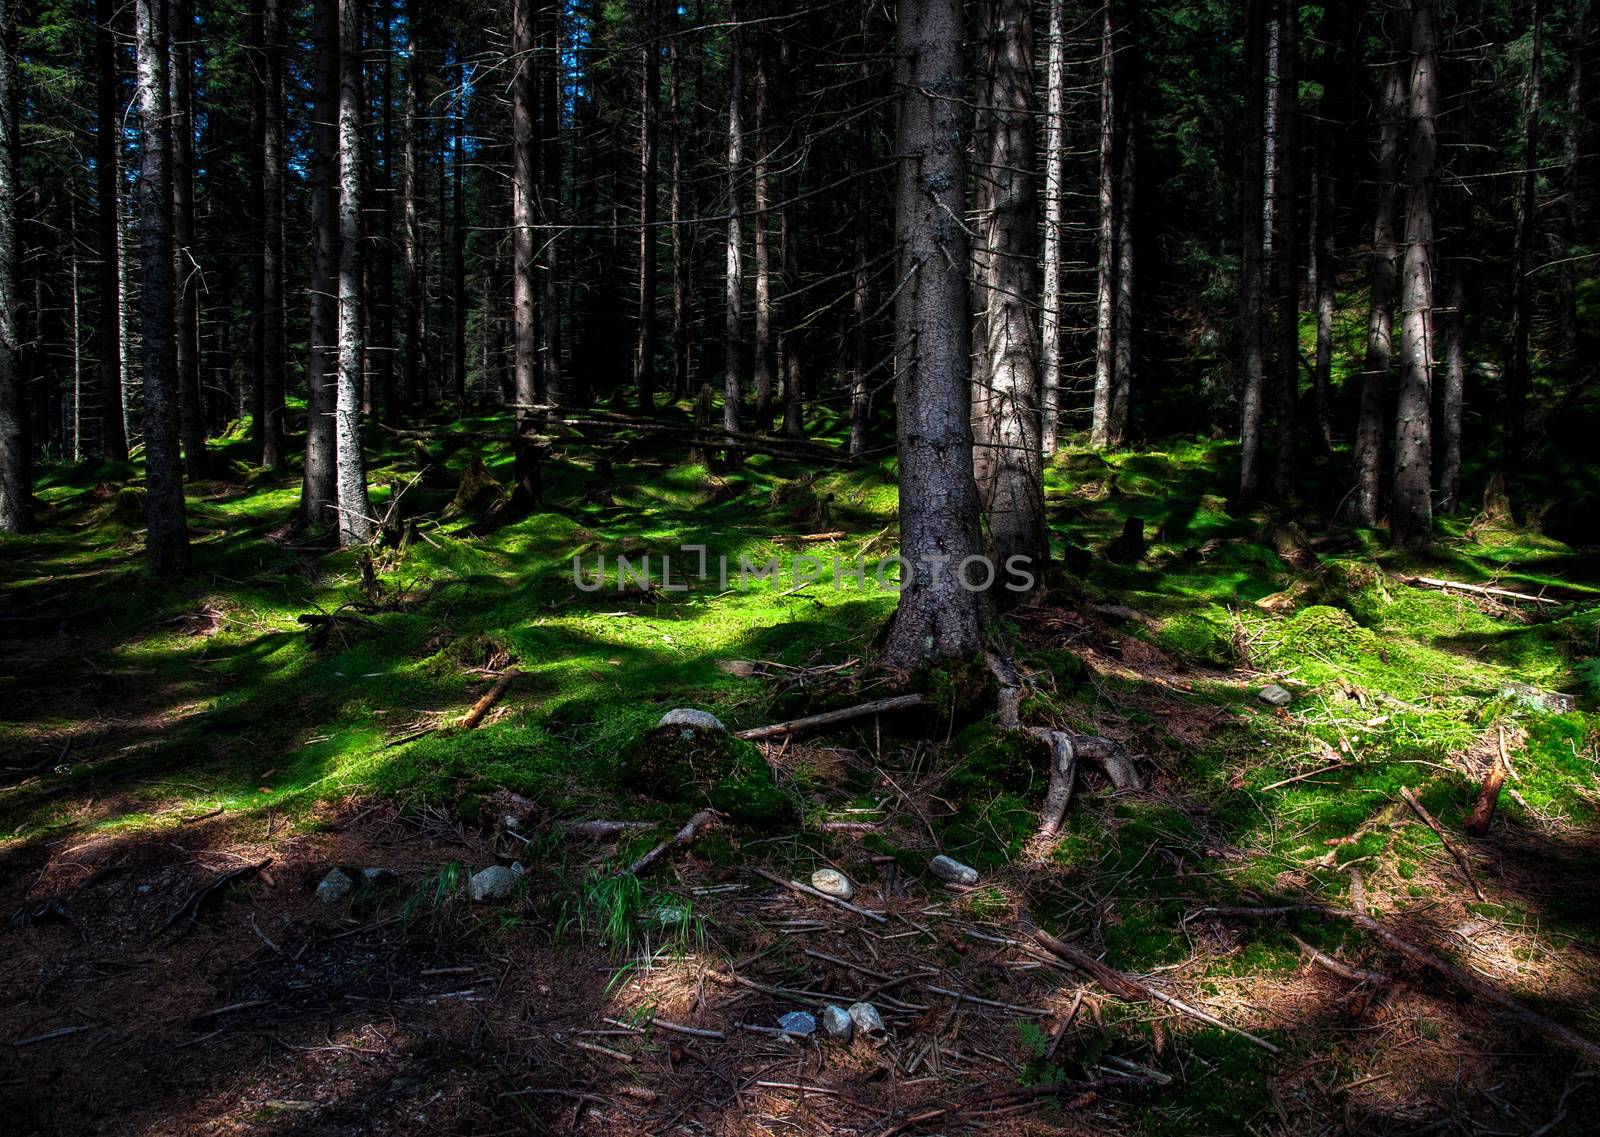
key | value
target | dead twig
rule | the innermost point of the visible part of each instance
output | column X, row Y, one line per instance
column 807, row 890
column 196, row 900
column 679, row 840
column 828, row 718
column 1422, row 812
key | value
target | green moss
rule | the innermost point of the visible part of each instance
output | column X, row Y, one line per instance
column 1198, row 636
column 708, row 767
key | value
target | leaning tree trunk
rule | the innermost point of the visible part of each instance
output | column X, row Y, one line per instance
column 524, row 192
column 1519, row 371
column 1286, row 246
column 191, row 413
column 1411, row 511
column 16, row 503
column 644, row 350
column 1382, row 274
column 355, row 513
column 733, row 275
column 1055, row 169
column 1105, row 286
column 108, row 150
column 1252, row 206
column 1007, row 464
column 937, row 616
column 167, row 538
column 319, row 497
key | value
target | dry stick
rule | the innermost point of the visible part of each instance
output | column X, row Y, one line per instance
column 796, row 886
column 1302, row 777
column 995, row 1003
column 676, row 1028
column 1343, row 970
column 1422, row 812
column 1066, row 1025
column 1476, row 589
column 1477, row 823
column 602, row 830
column 1131, row 989
column 490, row 698
column 1529, row 1018
column 678, row 840
column 828, row 718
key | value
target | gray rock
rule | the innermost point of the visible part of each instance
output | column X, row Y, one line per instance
column 497, row 882
column 1554, row 702
column 688, row 716
column 837, row 1023
column 1275, row 696
column 335, row 887
column 953, row 871
column 868, row 1022
column 833, row 882
column 802, row 1023
column 377, row 877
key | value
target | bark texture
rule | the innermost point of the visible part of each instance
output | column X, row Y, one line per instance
column 319, row 499
column 524, row 193
column 16, row 503
column 1055, row 169
column 1252, row 207
column 355, row 513
column 108, row 164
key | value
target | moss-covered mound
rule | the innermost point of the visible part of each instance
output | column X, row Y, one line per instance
column 707, row 767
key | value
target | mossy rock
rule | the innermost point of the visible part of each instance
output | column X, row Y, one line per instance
column 1331, row 632
column 477, row 494
column 991, row 760
column 707, row 767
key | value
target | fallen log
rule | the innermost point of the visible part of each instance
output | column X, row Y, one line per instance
column 680, row 839
column 489, row 699
column 829, row 718
column 1484, row 590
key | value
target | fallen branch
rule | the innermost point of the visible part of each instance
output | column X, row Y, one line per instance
column 1112, row 757
column 678, row 840
column 1343, row 970
column 1477, row 823
column 828, row 718
column 1422, row 812
column 806, row 889
column 1477, row 590
column 602, row 830
column 1529, row 1018
column 1329, row 768
column 489, row 699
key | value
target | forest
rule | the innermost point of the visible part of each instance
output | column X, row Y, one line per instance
column 790, row 566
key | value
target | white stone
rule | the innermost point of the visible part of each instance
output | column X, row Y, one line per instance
column 838, row 1024
column 953, row 871
column 833, row 883
column 1276, row 696
column 335, row 887
column 497, row 882
column 688, row 716
column 867, row 1020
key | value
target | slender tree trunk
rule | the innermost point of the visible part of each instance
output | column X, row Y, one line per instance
column 108, row 149
column 524, row 193
column 1126, row 102
column 1519, row 371
column 680, row 244
column 1106, row 251
column 1286, row 249
column 386, row 386
column 761, row 245
column 187, row 278
column 733, row 276
column 458, row 240
column 273, row 343
column 860, row 280
column 1382, row 273
column 1572, row 158
column 1007, row 463
column 553, row 390
column 256, row 241
column 1451, row 325
column 319, row 499
column 1055, row 169
column 16, row 490
column 410, row 235
column 1252, row 207
column 355, row 513
column 1326, row 286
column 644, row 352
column 789, row 216
column 167, row 536
column 937, row 616
column 1411, row 511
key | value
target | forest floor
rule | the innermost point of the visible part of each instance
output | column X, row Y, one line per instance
column 182, row 764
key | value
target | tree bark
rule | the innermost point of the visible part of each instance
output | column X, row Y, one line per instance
column 1286, row 245
column 1451, row 325
column 1519, row 373
column 108, row 150
column 1105, row 243
column 733, row 274
column 385, row 299
column 644, row 351
column 680, row 244
column 1572, row 158
column 761, row 247
column 1007, row 461
column 1411, row 511
column 187, row 271
column 271, row 315
column 937, row 617
column 167, row 536
column 1326, row 286
column 1126, row 102
column 319, row 498
column 860, row 281
column 554, row 389
column 458, row 237
column 411, row 378
column 524, row 192
column 16, row 501
column 355, row 512
column 1383, row 275
column 1252, row 206
column 1055, row 168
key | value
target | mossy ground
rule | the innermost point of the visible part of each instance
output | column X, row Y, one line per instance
column 131, row 705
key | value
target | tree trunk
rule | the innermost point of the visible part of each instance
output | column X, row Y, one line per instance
column 16, row 500
column 524, row 192
column 256, row 241
column 1106, row 251
column 1252, row 208
column 1411, row 511
column 108, row 150
column 458, row 239
column 937, row 616
column 761, row 248
column 1007, row 463
column 1572, row 158
column 1519, row 373
column 410, row 236
column 1286, row 246
column 187, row 271
column 273, row 345
column 680, row 244
column 1055, row 168
column 644, row 352
column 733, row 275
column 789, row 217
column 319, row 489
column 1126, row 102
column 1451, row 324
column 860, row 281
column 385, row 300
column 355, row 512
column 167, row 537
column 1325, row 283
column 554, row 389
column 1382, row 273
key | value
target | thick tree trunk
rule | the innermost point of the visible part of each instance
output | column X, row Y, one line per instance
column 108, row 149
column 644, row 349
column 937, row 616
column 1126, row 102
column 790, row 347
column 1007, row 460
column 1105, row 243
column 1055, row 168
column 1451, row 326
column 1325, row 284
column 1411, row 511
column 254, row 388
column 167, row 537
column 1366, row 498
column 733, row 274
column 271, row 316
column 16, row 501
column 187, row 272
column 1519, row 367
column 355, row 512
column 319, row 498
column 553, row 389
column 524, row 193
column 1286, row 246
column 1252, row 207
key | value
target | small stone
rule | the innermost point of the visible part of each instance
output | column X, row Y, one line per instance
column 1275, row 696
column 833, row 883
column 867, row 1020
column 497, row 882
column 802, row 1023
column 837, row 1023
column 377, row 877
column 335, row 887
column 1553, row 702
column 688, row 716
column 953, row 871
column 667, row 916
